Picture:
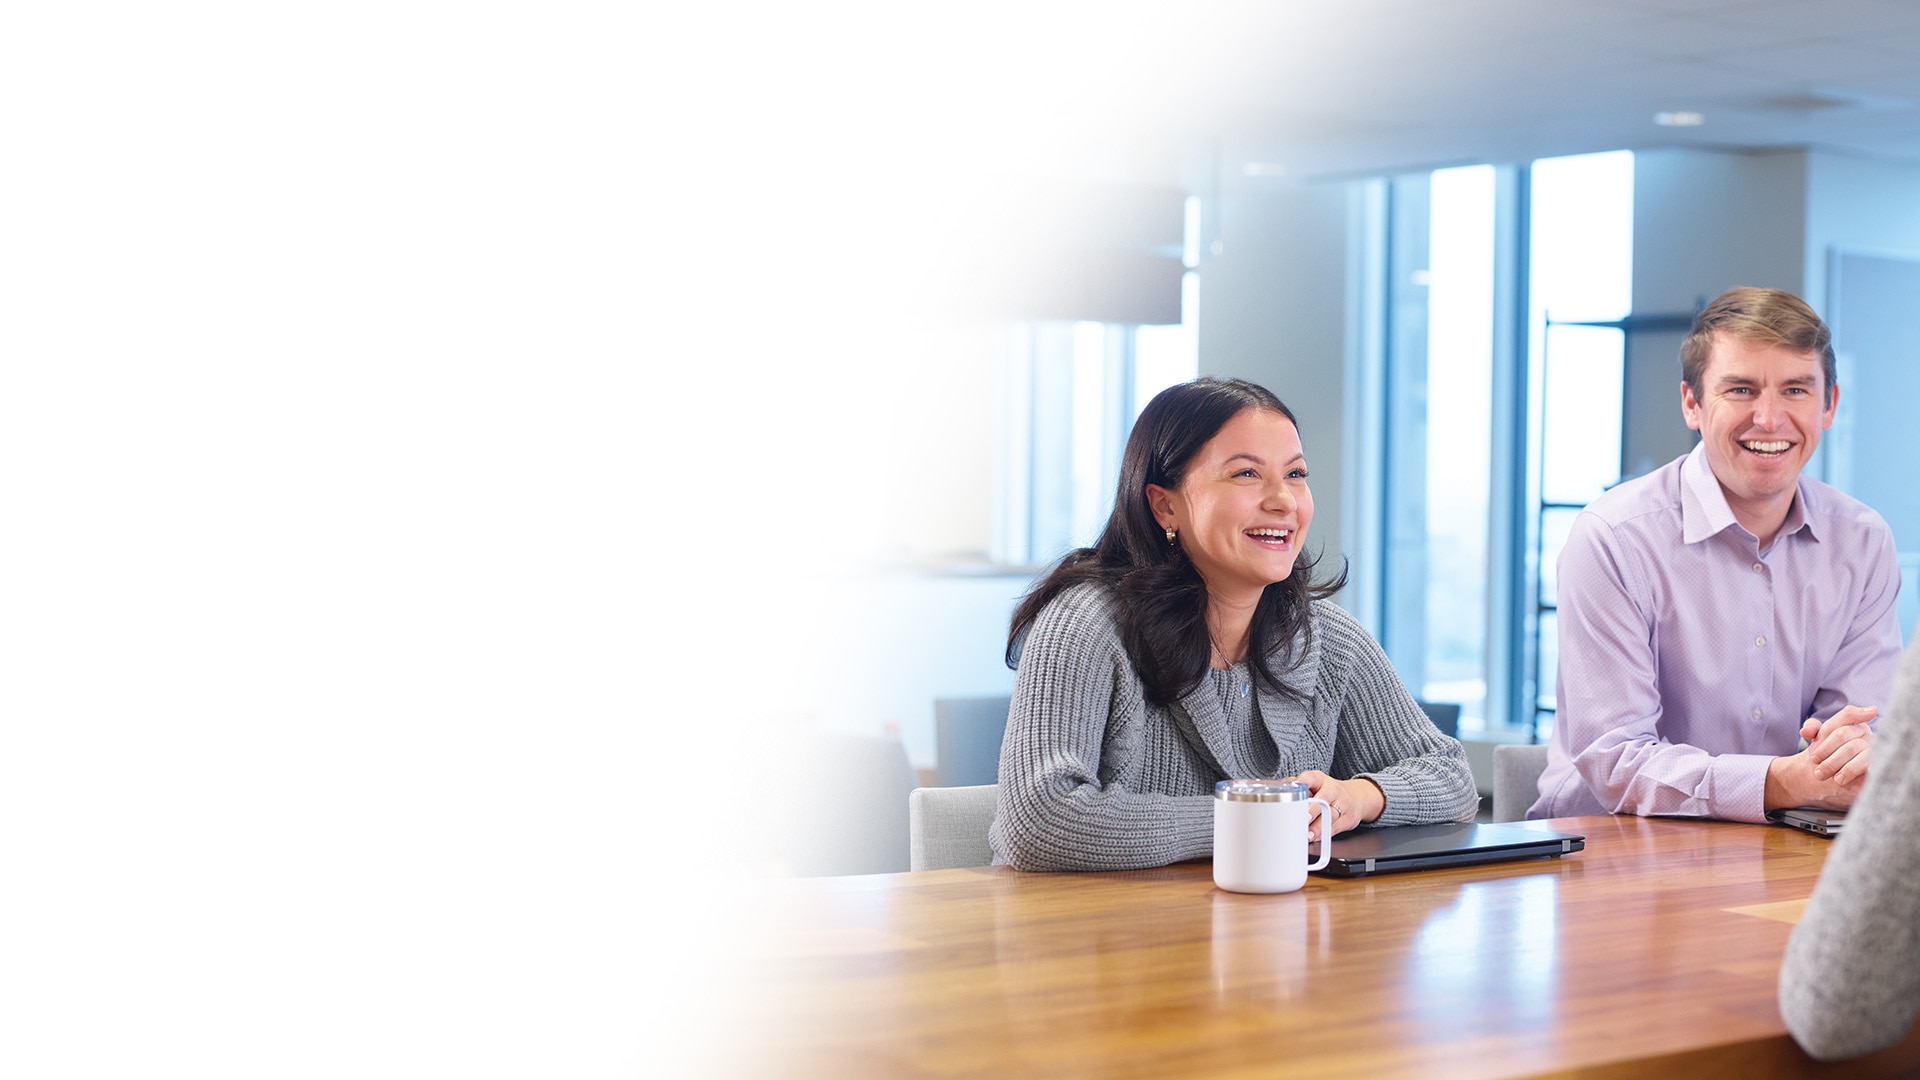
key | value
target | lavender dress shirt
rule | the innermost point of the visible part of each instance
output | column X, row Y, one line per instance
column 1689, row 657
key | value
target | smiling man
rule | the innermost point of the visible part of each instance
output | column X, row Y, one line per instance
column 1726, row 625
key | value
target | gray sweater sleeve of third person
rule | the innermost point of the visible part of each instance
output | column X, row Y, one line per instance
column 1850, row 982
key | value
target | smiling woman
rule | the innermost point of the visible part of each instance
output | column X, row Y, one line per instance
column 1192, row 644
column 1241, row 513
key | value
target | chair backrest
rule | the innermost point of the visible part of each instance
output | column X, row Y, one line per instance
column 967, row 732
column 845, row 805
column 1445, row 716
column 1516, row 779
column 947, row 826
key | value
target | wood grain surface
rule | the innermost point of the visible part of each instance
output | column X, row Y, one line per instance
column 1655, row 951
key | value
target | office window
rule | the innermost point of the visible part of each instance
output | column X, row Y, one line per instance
column 1505, row 291
column 1072, row 392
column 1581, row 290
column 1439, row 399
column 1072, row 387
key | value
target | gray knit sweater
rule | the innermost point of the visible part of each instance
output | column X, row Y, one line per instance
column 1093, row 778
column 1850, row 983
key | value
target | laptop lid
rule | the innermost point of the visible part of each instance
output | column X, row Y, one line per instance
column 1818, row 822
column 1417, row 847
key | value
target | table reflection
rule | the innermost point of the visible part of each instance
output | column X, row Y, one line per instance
column 1265, row 946
column 1492, row 952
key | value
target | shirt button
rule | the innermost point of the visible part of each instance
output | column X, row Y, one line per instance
column 1757, row 568
column 1756, row 714
column 1760, row 641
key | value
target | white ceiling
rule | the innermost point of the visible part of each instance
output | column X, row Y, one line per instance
column 1502, row 80
column 1153, row 93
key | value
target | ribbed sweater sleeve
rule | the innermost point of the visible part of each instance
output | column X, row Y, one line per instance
column 1850, row 983
column 1077, row 702
column 1384, row 735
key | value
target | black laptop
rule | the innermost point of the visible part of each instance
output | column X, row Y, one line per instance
column 1818, row 822
column 1418, row 847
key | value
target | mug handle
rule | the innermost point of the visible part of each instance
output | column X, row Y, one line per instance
column 1326, row 833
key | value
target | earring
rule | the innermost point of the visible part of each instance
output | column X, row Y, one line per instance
column 1172, row 536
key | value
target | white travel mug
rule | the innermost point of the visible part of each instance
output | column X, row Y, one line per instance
column 1260, row 835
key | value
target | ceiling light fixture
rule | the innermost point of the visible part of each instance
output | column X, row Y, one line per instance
column 1679, row 119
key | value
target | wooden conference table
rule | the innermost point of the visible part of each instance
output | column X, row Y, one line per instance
column 1653, row 952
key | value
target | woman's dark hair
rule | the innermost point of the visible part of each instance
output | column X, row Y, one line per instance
column 1160, row 601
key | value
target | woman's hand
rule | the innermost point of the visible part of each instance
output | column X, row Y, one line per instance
column 1354, row 802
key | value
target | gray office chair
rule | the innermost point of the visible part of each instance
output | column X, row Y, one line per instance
column 967, row 733
column 843, row 804
column 947, row 826
column 1516, row 779
column 1445, row 716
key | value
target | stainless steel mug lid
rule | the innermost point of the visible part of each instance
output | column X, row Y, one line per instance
column 1262, row 790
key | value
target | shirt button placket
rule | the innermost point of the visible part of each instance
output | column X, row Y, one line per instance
column 1760, row 609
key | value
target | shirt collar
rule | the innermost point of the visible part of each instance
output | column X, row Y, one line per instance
column 1798, row 516
column 1703, row 505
